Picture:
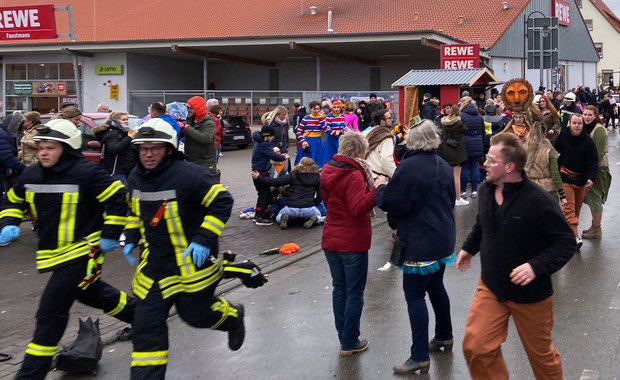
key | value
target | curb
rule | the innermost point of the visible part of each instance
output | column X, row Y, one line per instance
column 111, row 337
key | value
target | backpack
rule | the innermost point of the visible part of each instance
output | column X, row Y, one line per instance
column 83, row 355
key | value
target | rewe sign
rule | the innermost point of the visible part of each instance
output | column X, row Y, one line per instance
column 561, row 10
column 460, row 56
column 27, row 22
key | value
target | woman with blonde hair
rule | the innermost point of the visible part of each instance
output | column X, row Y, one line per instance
column 278, row 120
column 453, row 148
column 73, row 114
column 304, row 194
column 28, row 153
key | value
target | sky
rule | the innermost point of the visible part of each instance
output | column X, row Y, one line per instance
column 614, row 5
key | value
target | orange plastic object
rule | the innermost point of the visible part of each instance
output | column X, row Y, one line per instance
column 289, row 248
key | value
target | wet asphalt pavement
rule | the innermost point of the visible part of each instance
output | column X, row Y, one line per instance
column 289, row 322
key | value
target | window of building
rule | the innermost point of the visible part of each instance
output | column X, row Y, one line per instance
column 43, row 71
column 589, row 24
column 599, row 49
column 16, row 71
column 66, row 70
column 607, row 77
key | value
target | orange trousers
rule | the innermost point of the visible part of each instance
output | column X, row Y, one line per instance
column 487, row 329
column 574, row 200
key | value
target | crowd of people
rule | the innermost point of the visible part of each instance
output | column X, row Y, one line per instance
column 514, row 150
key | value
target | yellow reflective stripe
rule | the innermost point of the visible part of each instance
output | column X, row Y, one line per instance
column 111, row 190
column 12, row 197
column 223, row 307
column 12, row 213
column 132, row 222
column 38, row 350
column 213, row 224
column 115, row 220
column 66, row 224
column 212, row 193
column 43, row 264
column 50, row 257
column 177, row 238
column 191, row 288
column 140, row 359
column 194, row 277
column 122, row 301
column 235, row 269
column 30, row 200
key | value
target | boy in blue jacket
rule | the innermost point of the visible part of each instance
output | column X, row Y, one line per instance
column 261, row 156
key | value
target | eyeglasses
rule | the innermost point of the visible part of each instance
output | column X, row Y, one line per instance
column 492, row 162
column 153, row 149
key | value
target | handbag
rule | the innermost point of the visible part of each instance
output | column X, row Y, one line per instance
column 397, row 257
column 452, row 142
column 82, row 355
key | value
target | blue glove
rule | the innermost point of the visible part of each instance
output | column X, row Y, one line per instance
column 108, row 245
column 199, row 253
column 8, row 234
column 128, row 252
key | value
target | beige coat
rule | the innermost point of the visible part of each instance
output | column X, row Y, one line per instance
column 381, row 160
column 28, row 154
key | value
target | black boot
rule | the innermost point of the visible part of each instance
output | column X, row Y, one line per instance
column 236, row 334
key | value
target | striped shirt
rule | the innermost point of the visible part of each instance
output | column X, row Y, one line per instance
column 334, row 125
column 309, row 124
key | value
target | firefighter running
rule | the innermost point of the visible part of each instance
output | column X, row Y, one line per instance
column 70, row 197
column 179, row 211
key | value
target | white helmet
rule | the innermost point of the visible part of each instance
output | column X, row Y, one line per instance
column 570, row 97
column 156, row 130
column 537, row 99
column 60, row 130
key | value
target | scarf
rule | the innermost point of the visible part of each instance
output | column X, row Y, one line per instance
column 520, row 130
column 376, row 136
column 370, row 184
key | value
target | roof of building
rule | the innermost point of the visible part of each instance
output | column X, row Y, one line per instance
column 445, row 77
column 482, row 22
column 607, row 13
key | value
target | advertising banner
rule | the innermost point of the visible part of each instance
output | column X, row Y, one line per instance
column 461, row 56
column 49, row 88
column 27, row 22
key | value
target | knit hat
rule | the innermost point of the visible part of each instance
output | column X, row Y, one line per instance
column 338, row 103
column 267, row 131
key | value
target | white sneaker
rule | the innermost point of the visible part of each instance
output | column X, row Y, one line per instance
column 579, row 243
column 474, row 194
column 461, row 202
column 464, row 194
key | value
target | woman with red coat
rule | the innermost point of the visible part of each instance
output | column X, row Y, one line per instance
column 348, row 192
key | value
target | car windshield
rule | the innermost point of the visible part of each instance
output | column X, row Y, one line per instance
column 134, row 121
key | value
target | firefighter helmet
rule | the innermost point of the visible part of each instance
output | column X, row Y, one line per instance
column 60, row 130
column 156, row 130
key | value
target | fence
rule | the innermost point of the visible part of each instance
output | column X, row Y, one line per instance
column 250, row 105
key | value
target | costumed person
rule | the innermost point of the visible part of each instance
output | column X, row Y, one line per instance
column 308, row 132
column 335, row 125
column 381, row 143
column 82, row 212
column 597, row 194
column 351, row 119
column 527, row 123
column 179, row 211
column 304, row 193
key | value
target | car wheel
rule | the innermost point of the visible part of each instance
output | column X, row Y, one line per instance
column 243, row 146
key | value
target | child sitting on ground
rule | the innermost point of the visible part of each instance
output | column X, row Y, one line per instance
column 261, row 156
column 305, row 192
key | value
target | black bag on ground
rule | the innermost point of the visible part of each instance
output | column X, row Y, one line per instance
column 82, row 355
column 398, row 251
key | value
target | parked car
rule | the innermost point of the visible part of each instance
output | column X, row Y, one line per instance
column 90, row 146
column 236, row 132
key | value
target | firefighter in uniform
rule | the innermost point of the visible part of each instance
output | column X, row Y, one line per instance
column 69, row 196
column 179, row 211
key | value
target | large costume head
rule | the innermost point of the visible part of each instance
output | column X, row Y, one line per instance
column 517, row 94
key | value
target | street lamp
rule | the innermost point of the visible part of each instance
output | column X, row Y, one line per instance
column 544, row 32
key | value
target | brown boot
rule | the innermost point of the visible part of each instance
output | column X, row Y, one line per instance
column 593, row 233
column 586, row 231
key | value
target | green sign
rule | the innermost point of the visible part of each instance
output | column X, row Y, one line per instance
column 22, row 88
column 109, row 69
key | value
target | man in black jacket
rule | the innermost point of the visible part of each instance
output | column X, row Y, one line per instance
column 522, row 238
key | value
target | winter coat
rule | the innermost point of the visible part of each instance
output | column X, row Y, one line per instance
column 298, row 115
column 117, row 154
column 374, row 107
column 528, row 228
column 352, row 121
column 428, row 110
column 419, row 202
column 474, row 137
column 281, row 139
column 348, row 201
column 200, row 135
column 27, row 154
column 381, row 159
column 577, row 154
column 8, row 157
column 263, row 153
column 453, row 128
column 305, row 188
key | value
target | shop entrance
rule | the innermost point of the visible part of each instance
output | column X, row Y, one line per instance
column 44, row 104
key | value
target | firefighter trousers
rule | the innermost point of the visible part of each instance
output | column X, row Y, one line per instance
column 53, row 313
column 150, row 330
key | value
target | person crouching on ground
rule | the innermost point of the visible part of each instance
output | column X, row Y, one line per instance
column 305, row 193
column 261, row 155
column 348, row 192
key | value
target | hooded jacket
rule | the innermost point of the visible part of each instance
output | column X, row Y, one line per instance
column 118, row 156
column 263, row 153
column 473, row 138
column 348, row 201
column 453, row 127
column 419, row 202
column 305, row 188
column 200, row 135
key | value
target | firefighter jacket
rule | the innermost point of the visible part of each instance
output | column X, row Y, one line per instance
column 171, row 206
column 76, row 203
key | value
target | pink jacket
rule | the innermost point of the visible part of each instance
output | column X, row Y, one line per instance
column 351, row 120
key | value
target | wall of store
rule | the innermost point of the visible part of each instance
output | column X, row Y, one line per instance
column 96, row 87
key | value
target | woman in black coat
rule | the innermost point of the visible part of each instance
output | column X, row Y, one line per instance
column 453, row 148
column 474, row 141
column 117, row 155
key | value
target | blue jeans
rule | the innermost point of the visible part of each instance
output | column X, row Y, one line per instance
column 470, row 173
column 349, row 271
column 415, row 287
column 296, row 212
